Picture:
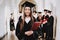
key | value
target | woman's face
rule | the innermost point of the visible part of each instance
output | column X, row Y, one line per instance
column 27, row 11
column 45, row 12
column 40, row 16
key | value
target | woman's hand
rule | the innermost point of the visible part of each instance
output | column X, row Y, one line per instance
column 45, row 21
column 28, row 33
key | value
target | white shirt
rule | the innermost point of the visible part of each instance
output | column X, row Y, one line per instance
column 27, row 19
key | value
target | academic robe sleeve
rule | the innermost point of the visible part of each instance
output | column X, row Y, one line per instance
column 50, row 21
column 17, row 32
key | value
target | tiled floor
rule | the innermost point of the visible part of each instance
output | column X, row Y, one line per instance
column 10, row 36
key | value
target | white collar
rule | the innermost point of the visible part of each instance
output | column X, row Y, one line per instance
column 27, row 19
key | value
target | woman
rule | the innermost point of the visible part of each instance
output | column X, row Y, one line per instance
column 12, row 27
column 24, row 25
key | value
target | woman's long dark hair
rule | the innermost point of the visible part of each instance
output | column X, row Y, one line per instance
column 22, row 23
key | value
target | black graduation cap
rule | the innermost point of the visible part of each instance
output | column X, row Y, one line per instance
column 49, row 11
column 39, row 12
column 28, row 4
column 45, row 10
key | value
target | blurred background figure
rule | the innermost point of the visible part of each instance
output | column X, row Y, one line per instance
column 39, row 16
column 12, row 26
column 39, row 19
column 50, row 26
column 44, row 17
column 35, row 14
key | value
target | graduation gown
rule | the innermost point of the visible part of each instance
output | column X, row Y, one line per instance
column 21, row 34
column 45, row 25
column 50, row 28
column 41, row 27
column 12, row 27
